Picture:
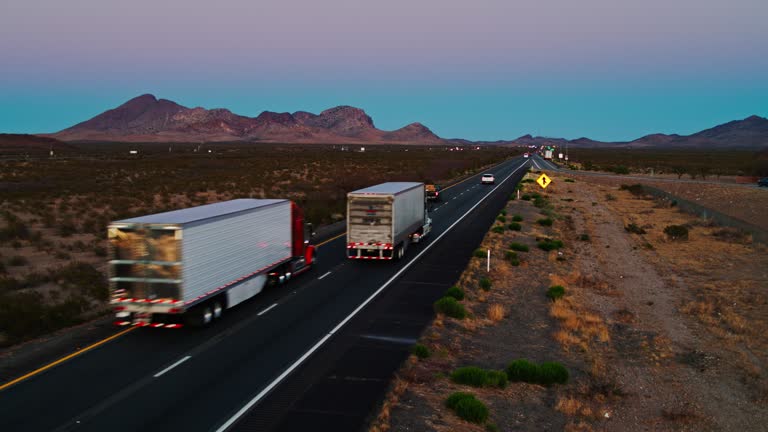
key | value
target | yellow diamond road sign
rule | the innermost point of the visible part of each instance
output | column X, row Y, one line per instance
column 543, row 181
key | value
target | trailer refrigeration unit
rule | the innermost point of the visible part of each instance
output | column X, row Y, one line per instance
column 383, row 220
column 188, row 266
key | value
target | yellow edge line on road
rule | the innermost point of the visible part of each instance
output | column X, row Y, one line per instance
column 90, row 347
column 456, row 184
column 63, row 359
column 117, row 335
column 332, row 239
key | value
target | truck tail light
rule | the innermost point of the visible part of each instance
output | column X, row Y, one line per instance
column 174, row 310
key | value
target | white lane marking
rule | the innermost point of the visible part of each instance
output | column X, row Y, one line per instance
column 326, row 274
column 267, row 309
column 322, row 341
column 159, row 374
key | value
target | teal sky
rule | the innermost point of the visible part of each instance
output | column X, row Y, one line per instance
column 484, row 70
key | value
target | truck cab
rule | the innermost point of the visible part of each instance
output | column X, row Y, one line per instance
column 433, row 192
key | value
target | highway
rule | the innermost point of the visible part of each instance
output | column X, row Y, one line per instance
column 240, row 369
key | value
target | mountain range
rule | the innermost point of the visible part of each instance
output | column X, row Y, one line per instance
column 149, row 119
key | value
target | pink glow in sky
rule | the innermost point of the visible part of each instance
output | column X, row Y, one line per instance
column 173, row 47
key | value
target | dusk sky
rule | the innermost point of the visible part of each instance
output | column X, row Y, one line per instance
column 483, row 69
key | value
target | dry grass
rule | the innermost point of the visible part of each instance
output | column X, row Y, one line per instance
column 496, row 312
column 578, row 326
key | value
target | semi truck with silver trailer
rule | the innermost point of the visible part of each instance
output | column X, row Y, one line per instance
column 186, row 267
column 382, row 220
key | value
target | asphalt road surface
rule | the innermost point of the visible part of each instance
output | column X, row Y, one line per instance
column 266, row 364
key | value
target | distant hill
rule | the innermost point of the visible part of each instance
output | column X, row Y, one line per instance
column 31, row 144
column 750, row 133
column 148, row 119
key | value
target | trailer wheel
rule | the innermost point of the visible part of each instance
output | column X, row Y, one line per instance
column 200, row 316
column 400, row 252
column 218, row 309
column 206, row 313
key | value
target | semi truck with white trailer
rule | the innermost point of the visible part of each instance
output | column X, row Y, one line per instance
column 186, row 267
column 548, row 154
column 382, row 220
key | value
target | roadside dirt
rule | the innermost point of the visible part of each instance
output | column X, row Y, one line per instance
column 658, row 334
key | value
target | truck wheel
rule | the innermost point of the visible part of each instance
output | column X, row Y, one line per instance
column 400, row 252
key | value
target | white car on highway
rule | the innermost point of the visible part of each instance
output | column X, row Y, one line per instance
column 487, row 179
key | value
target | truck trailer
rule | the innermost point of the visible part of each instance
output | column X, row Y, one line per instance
column 186, row 267
column 383, row 220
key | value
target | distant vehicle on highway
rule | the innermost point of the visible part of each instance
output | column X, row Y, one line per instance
column 382, row 220
column 763, row 182
column 487, row 179
column 433, row 192
column 525, row 155
column 185, row 267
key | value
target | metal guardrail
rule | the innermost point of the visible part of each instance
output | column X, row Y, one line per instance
column 758, row 234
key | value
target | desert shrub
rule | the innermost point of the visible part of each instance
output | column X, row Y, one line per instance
column 568, row 180
column 480, row 253
column 66, row 228
column 728, row 234
column 609, row 197
column 496, row 379
column 485, row 283
column 522, row 370
column 676, row 232
column 457, row 397
column 9, row 284
column 3, row 270
column 472, row 410
column 518, row 247
column 555, row 292
column 501, row 218
column 620, row 169
column 470, row 375
column 514, row 226
column 548, row 244
column 35, row 279
column 517, row 218
column 540, row 202
column 528, row 180
column 450, row 307
column 420, row 351
column 62, row 255
column 526, row 197
column 547, row 373
column 503, row 212
column 635, row 189
column 499, row 229
column 18, row 261
column 455, row 292
column 545, row 222
column 100, row 251
column 634, row 229
column 83, row 277
column 15, row 228
column 553, row 373
column 510, row 255
column 584, row 237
